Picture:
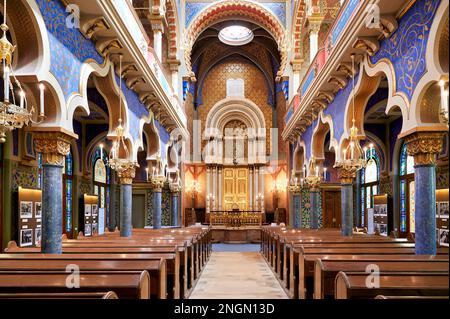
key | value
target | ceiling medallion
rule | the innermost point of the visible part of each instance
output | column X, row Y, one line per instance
column 236, row 35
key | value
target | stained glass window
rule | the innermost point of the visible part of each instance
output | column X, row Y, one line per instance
column 371, row 171
column 407, row 190
column 403, row 206
column 101, row 179
column 406, row 162
column 68, row 194
column 369, row 176
column 412, row 207
column 100, row 171
column 40, row 175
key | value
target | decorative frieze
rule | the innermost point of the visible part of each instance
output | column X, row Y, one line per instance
column 424, row 146
column 54, row 146
column 126, row 171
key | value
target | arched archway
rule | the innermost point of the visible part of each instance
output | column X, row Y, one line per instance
column 240, row 10
column 240, row 110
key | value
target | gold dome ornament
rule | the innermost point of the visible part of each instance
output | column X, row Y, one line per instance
column 13, row 116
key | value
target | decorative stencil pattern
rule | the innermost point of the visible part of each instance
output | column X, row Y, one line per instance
column 214, row 89
column 24, row 176
column 406, row 48
column 149, row 221
column 165, row 207
column 68, row 47
column 278, row 9
column 336, row 109
column 306, row 209
column 192, row 9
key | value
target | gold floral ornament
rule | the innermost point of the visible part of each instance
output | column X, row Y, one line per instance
column 424, row 146
column 53, row 146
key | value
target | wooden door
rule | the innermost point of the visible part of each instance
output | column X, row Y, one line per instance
column 235, row 188
column 331, row 209
column 138, row 211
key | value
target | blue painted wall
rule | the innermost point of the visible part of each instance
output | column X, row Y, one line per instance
column 406, row 48
column 69, row 49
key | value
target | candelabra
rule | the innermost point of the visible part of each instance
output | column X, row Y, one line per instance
column 294, row 186
column 157, row 178
column 119, row 155
column 210, row 202
column 260, row 202
column 353, row 158
column 313, row 181
column 175, row 185
column 14, row 116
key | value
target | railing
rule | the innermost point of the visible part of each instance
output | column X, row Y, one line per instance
column 346, row 13
column 139, row 35
column 235, row 218
column 295, row 102
column 314, row 68
column 344, row 16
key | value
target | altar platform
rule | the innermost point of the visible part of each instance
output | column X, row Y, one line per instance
column 236, row 235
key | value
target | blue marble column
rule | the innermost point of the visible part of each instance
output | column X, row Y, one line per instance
column 425, row 213
column 157, row 196
column 297, row 209
column 51, row 209
column 424, row 146
column 53, row 146
column 174, row 207
column 347, row 209
column 315, row 208
column 125, row 210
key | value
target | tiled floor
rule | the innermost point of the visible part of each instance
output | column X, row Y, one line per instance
column 237, row 275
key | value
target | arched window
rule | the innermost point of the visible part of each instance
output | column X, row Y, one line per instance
column 40, row 176
column 68, row 195
column 101, row 180
column 407, row 192
column 370, row 176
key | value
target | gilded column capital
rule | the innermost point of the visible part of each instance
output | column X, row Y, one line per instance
column 54, row 146
column 424, row 146
column 126, row 171
column 295, row 189
column 175, row 188
column 157, row 183
column 346, row 174
column 313, row 183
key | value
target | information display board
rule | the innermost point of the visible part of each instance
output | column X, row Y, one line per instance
column 30, row 217
column 442, row 212
column 90, row 216
column 382, row 210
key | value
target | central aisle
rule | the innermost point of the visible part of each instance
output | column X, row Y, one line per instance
column 237, row 275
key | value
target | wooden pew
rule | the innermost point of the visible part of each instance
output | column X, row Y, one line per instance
column 411, row 297
column 292, row 258
column 325, row 271
column 176, row 272
column 62, row 295
column 306, row 265
column 156, row 267
column 126, row 284
column 352, row 285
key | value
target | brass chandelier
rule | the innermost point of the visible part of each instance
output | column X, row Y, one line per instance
column 353, row 156
column 13, row 116
column 116, row 161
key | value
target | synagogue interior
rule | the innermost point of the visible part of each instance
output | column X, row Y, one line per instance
column 232, row 149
